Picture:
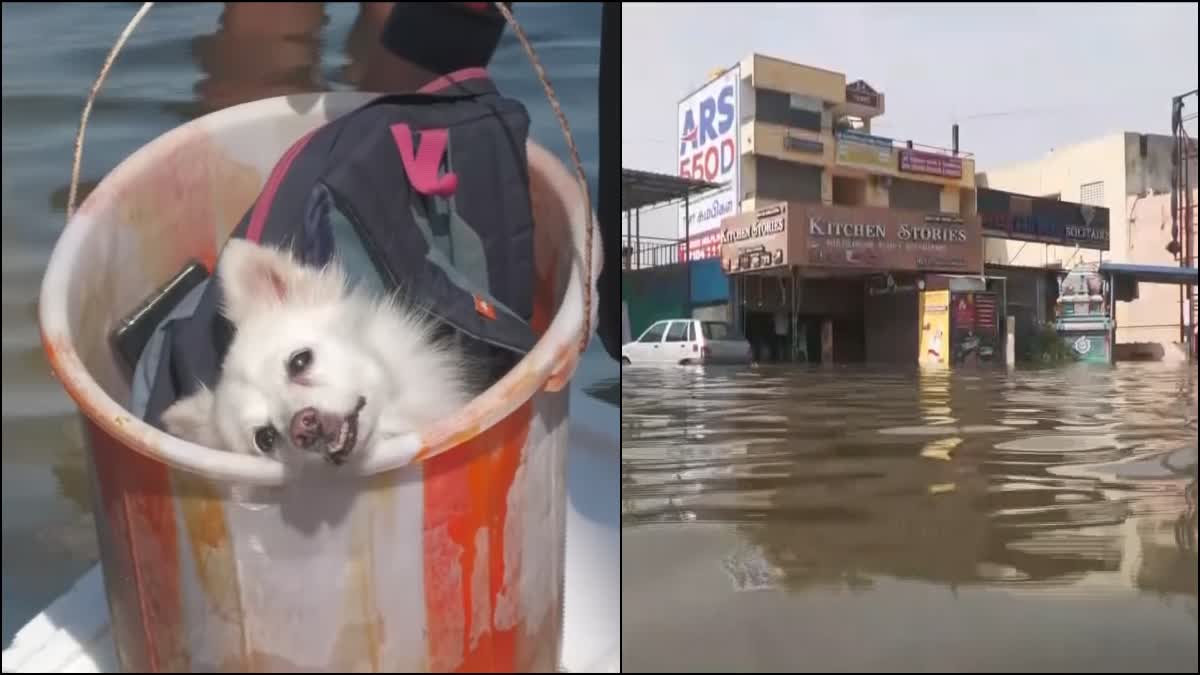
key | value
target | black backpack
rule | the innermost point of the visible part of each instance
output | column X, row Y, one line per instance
column 428, row 192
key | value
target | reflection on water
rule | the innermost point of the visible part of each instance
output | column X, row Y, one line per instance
column 772, row 515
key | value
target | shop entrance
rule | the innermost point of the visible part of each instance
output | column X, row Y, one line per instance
column 796, row 338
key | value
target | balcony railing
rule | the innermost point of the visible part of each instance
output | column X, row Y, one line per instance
column 643, row 252
column 933, row 149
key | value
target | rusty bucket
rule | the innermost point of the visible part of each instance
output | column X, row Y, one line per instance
column 443, row 554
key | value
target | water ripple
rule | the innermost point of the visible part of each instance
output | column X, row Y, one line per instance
column 989, row 478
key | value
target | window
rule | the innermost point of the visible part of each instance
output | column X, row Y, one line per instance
column 1092, row 194
column 779, row 180
column 678, row 331
column 715, row 330
column 915, row 196
column 654, row 333
column 789, row 110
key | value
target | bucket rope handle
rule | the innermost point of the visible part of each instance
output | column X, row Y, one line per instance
column 87, row 106
column 580, row 176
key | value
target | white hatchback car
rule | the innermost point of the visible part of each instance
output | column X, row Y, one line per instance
column 687, row 341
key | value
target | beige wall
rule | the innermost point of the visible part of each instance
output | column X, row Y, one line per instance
column 877, row 193
column 748, row 176
column 1062, row 171
column 949, row 199
column 1137, row 195
column 767, row 140
column 1154, row 317
column 786, row 76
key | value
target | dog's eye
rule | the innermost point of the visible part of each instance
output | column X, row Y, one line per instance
column 265, row 438
column 299, row 362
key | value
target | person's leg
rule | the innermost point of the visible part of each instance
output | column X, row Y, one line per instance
column 608, row 209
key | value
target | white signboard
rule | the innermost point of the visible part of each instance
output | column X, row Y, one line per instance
column 709, row 149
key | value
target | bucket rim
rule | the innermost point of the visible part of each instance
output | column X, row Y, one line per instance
column 549, row 364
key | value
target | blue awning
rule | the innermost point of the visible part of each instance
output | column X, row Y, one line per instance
column 1152, row 274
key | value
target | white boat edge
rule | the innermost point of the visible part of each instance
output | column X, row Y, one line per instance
column 73, row 635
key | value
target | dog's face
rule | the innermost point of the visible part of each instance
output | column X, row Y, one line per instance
column 300, row 382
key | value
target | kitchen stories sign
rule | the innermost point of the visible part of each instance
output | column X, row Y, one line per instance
column 886, row 239
column 869, row 239
column 755, row 241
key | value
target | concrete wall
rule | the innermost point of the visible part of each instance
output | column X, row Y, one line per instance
column 949, row 199
column 1154, row 316
column 1136, row 172
column 1061, row 171
column 767, row 139
column 780, row 75
column 764, row 138
column 877, row 192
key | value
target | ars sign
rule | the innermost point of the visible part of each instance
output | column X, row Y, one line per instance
column 708, row 149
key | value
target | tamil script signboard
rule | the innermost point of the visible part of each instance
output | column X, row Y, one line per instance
column 930, row 163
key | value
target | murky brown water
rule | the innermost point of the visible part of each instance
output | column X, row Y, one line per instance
column 784, row 519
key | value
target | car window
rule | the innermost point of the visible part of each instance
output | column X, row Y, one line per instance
column 691, row 332
column 678, row 331
column 654, row 333
column 715, row 330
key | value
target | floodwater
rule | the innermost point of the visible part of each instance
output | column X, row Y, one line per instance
column 184, row 60
column 788, row 519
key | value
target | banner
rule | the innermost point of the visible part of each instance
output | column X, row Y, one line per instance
column 755, row 241
column 863, row 150
column 935, row 328
column 709, row 121
column 931, row 164
column 1050, row 221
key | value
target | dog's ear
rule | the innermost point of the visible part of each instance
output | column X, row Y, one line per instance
column 191, row 419
column 254, row 278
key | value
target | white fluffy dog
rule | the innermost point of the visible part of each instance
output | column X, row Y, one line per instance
column 315, row 369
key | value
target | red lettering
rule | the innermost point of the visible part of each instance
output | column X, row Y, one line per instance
column 683, row 169
column 712, row 164
column 698, row 168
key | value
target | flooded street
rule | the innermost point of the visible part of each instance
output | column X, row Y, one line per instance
column 782, row 518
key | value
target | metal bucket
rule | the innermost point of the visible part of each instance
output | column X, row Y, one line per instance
column 444, row 555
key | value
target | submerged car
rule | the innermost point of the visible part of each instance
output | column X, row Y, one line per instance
column 687, row 342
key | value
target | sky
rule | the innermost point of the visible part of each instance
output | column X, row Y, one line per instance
column 1020, row 79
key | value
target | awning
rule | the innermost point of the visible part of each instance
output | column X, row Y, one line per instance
column 640, row 189
column 1151, row 274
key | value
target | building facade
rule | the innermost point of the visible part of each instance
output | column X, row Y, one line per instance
column 838, row 233
column 1130, row 175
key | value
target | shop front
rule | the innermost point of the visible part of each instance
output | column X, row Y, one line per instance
column 1049, row 296
column 832, row 284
